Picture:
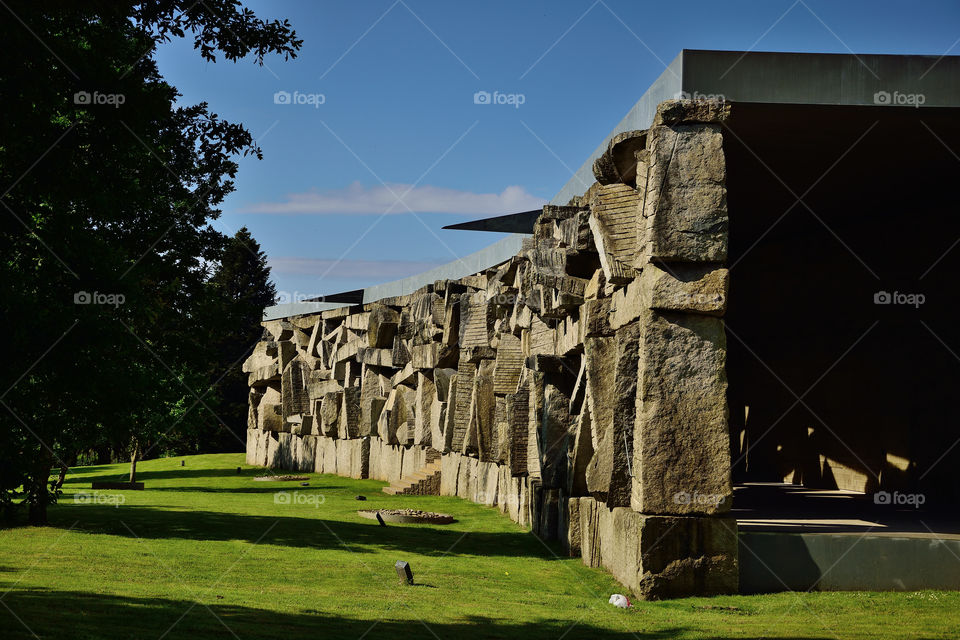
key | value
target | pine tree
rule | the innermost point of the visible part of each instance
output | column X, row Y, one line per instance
column 242, row 288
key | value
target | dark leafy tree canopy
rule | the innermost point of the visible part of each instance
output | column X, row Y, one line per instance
column 108, row 188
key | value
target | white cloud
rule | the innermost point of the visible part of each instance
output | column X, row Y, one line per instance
column 379, row 199
column 382, row 269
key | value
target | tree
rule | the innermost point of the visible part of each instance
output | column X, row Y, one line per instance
column 242, row 288
column 108, row 188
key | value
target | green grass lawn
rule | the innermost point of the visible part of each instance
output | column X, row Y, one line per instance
column 206, row 553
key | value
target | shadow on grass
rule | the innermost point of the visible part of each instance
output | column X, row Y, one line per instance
column 48, row 614
column 86, row 469
column 176, row 473
column 215, row 475
column 257, row 487
column 291, row 531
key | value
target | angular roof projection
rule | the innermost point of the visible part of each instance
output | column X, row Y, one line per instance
column 734, row 76
column 511, row 223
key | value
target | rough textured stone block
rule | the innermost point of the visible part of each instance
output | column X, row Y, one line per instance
column 513, row 497
column 615, row 210
column 344, row 456
column 438, row 418
column 449, row 473
column 414, row 458
column 466, row 373
column 330, row 413
column 618, row 534
column 523, row 511
column 425, row 396
column 264, row 375
column 549, row 514
column 595, row 318
column 503, row 487
column 358, row 453
column 682, row 557
column 657, row 556
column 318, row 455
column 370, row 409
column 681, row 447
column 295, row 399
column 518, row 416
column 628, row 303
column 509, row 364
column 251, row 446
column 374, row 471
column 581, row 454
column 481, row 431
column 425, row 356
column 308, row 454
column 391, row 462
column 685, row 207
column 476, row 321
column 329, row 446
column 601, row 358
column 449, row 418
column 466, row 470
column 573, row 539
column 538, row 339
column 533, row 380
column 382, row 326
column 554, row 436
column 693, row 288
column 349, row 425
column 488, row 483
column 670, row 112
column 618, row 163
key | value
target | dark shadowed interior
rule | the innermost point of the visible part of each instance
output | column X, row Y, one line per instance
column 829, row 208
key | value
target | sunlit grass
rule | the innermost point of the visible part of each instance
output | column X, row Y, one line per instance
column 205, row 552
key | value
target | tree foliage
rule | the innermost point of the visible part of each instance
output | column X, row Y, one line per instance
column 109, row 186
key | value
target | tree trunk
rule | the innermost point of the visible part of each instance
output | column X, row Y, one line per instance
column 39, row 498
column 133, row 463
column 63, row 476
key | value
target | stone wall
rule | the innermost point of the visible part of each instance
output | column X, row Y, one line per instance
column 579, row 387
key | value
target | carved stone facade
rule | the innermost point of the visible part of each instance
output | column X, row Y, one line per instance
column 580, row 387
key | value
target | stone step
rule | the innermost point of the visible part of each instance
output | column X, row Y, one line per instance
column 392, row 490
column 416, row 482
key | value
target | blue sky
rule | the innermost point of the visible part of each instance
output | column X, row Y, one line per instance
column 381, row 104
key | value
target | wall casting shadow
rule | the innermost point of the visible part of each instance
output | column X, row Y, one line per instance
column 169, row 474
column 264, row 487
column 291, row 531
